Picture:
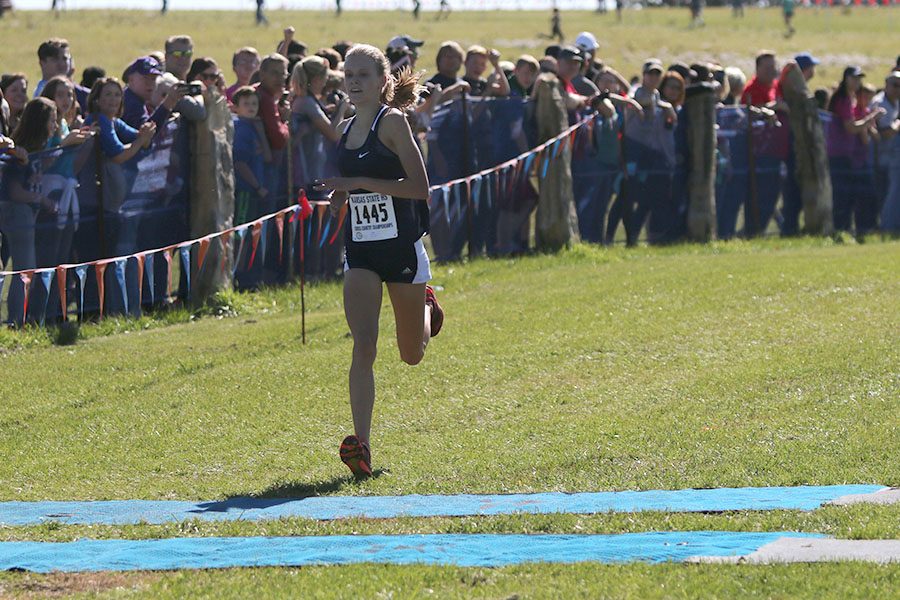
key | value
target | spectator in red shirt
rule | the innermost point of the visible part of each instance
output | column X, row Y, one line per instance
column 760, row 90
column 274, row 113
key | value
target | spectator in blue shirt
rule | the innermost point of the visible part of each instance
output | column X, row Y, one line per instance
column 249, row 151
column 119, row 144
column 119, row 141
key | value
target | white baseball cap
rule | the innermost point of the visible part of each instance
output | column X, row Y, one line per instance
column 586, row 41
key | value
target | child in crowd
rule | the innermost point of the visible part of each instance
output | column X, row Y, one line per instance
column 250, row 149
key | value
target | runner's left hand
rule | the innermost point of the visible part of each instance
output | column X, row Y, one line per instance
column 338, row 184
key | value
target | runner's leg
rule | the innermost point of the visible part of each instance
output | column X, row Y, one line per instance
column 362, row 305
column 413, row 320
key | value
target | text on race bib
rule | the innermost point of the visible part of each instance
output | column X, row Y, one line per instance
column 372, row 217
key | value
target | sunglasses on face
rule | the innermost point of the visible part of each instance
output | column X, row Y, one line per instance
column 182, row 53
column 208, row 76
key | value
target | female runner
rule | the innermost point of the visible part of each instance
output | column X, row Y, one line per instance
column 384, row 182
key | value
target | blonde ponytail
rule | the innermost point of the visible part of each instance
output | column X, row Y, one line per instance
column 402, row 89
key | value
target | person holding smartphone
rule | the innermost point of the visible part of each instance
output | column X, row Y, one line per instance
column 384, row 186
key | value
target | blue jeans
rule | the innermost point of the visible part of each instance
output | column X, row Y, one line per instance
column 17, row 222
column 854, row 196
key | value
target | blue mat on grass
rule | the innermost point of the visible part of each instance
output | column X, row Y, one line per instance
column 124, row 512
column 474, row 550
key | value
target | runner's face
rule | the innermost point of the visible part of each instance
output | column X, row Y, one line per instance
column 362, row 81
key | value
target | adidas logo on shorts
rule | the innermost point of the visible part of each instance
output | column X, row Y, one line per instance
column 406, row 271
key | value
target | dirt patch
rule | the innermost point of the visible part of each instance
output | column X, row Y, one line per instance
column 57, row 585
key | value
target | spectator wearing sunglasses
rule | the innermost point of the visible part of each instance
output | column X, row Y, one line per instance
column 179, row 52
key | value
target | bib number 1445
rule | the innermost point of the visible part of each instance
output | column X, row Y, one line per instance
column 372, row 217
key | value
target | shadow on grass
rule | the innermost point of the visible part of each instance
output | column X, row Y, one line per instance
column 282, row 493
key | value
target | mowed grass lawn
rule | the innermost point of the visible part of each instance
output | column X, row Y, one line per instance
column 865, row 36
column 761, row 363
column 747, row 363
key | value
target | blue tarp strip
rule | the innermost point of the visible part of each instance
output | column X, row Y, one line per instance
column 468, row 550
column 123, row 512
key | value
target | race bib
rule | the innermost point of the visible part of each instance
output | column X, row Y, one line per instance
column 372, row 217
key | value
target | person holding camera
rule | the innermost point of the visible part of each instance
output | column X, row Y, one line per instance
column 310, row 125
column 140, row 83
column 179, row 52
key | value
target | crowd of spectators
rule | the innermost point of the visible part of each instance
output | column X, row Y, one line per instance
column 293, row 96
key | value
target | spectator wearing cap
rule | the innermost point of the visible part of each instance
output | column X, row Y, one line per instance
column 449, row 60
column 887, row 150
column 807, row 63
column 847, row 136
column 477, row 58
column 651, row 77
column 587, row 43
column 140, row 81
column 403, row 50
column 245, row 63
column 569, row 62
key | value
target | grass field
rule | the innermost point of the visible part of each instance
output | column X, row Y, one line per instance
column 747, row 363
column 771, row 362
column 112, row 39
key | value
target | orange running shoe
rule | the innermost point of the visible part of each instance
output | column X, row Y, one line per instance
column 437, row 313
column 357, row 457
